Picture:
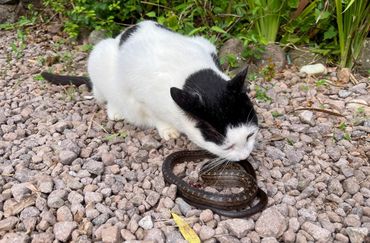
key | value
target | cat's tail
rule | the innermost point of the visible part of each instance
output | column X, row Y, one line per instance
column 66, row 80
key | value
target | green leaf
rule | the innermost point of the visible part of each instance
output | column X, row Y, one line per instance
column 293, row 3
column 218, row 29
column 330, row 33
column 196, row 30
column 151, row 14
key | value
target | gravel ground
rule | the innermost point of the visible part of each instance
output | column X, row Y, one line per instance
column 69, row 174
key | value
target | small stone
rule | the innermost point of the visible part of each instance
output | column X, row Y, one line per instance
column 94, row 167
column 307, row 117
column 96, row 36
column 352, row 220
column 206, row 233
column 152, row 198
column 314, row 69
column 274, row 153
column 359, row 88
column 93, row 197
column 108, row 158
column 42, row 238
column 149, row 143
column 269, row 240
column 154, row 234
column 184, row 206
column 19, row 237
column 294, row 224
column 335, row 187
column 132, row 224
column 351, row 185
column 293, row 155
column 316, row 232
column 341, row 238
column 127, row 235
column 8, row 223
column 171, row 192
column 101, row 219
column 271, row 223
column 146, row 222
column 56, row 198
column 29, row 223
column 75, row 197
column 20, row 191
column 333, row 153
column 289, row 236
column 29, row 212
column 110, row 234
column 63, row 230
column 206, row 215
column 239, row 227
column 64, row 214
column 357, row 234
column 344, row 74
column 66, row 157
column 46, row 185
column 344, row 93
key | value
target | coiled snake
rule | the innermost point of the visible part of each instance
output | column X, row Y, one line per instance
column 236, row 174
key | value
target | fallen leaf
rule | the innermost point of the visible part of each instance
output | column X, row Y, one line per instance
column 187, row 232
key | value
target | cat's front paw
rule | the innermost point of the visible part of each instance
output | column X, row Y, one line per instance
column 168, row 133
column 113, row 114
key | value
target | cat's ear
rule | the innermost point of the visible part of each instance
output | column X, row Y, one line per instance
column 187, row 101
column 237, row 83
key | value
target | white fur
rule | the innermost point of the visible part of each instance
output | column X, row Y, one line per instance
column 135, row 81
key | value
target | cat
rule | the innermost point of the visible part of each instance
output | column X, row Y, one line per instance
column 152, row 76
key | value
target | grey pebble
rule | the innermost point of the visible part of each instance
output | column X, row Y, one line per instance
column 63, row 230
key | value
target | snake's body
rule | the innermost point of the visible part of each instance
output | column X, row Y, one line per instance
column 236, row 174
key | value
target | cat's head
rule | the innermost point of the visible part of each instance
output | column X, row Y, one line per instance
column 224, row 116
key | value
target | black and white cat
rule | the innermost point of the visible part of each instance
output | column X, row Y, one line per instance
column 154, row 77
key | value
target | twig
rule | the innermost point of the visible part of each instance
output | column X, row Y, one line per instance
column 155, row 4
column 318, row 110
column 353, row 79
column 90, row 124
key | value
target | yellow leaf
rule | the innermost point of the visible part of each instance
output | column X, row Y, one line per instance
column 186, row 231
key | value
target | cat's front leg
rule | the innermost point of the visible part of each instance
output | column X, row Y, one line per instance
column 114, row 114
column 166, row 131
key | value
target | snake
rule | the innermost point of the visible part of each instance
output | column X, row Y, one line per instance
column 235, row 174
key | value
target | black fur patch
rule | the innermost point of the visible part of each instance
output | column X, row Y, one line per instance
column 216, row 61
column 215, row 103
column 127, row 34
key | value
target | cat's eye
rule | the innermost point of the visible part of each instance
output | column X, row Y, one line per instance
column 249, row 136
column 230, row 147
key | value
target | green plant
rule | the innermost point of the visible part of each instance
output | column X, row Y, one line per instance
column 266, row 16
column 360, row 110
column 120, row 134
column 38, row 77
column 342, row 126
column 321, row 83
column 353, row 23
column 230, row 59
column 70, row 93
column 86, row 47
column 19, row 45
column 268, row 71
column 275, row 114
column 311, row 22
column 347, row 136
column 22, row 22
column 261, row 94
column 304, row 88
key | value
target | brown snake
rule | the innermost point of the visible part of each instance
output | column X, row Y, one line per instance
column 236, row 174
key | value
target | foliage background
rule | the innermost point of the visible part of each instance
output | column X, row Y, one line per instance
column 313, row 23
